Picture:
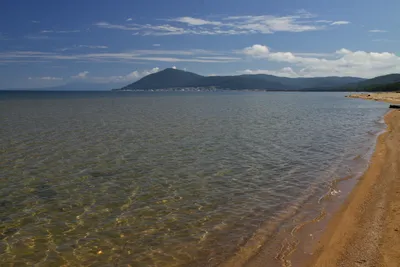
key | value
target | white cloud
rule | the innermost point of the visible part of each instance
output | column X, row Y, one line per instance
column 93, row 46
column 46, row 78
column 346, row 62
column 35, row 21
column 107, row 25
column 176, row 59
column 377, row 31
column 386, row 40
column 194, row 55
column 36, row 37
column 55, row 31
column 156, row 45
column 271, row 24
column 84, row 46
column 195, row 21
column 233, row 25
column 306, row 54
column 81, row 75
column 256, row 50
column 343, row 51
column 284, row 72
column 343, row 62
column 174, row 67
column 221, row 58
column 340, row 22
column 84, row 75
column 130, row 77
column 129, row 19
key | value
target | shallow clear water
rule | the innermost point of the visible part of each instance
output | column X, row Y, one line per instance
column 165, row 179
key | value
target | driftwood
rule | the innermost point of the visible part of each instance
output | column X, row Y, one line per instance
column 395, row 106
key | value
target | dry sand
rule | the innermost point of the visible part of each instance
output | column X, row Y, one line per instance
column 386, row 97
column 366, row 230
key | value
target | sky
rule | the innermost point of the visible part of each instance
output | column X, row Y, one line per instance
column 51, row 43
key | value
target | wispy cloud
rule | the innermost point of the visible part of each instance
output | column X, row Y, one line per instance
column 194, row 55
column 84, row 46
column 232, row 25
column 93, row 46
column 59, row 31
column 46, row 78
column 342, row 62
column 377, row 31
column 36, row 37
column 323, row 21
column 340, row 22
column 107, row 25
column 386, row 40
column 284, row 72
column 156, row 45
column 130, row 77
column 196, row 21
column 35, row 21
column 129, row 19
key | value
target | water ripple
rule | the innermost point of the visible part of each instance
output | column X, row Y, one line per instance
column 167, row 180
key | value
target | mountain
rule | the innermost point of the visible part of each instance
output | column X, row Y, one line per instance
column 388, row 82
column 167, row 78
column 388, row 87
column 173, row 78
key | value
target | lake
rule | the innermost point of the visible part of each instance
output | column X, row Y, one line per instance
column 170, row 179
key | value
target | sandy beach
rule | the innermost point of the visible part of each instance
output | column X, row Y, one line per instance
column 389, row 97
column 366, row 230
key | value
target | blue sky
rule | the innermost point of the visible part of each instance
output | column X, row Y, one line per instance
column 111, row 43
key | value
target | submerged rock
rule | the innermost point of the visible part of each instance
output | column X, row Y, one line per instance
column 102, row 173
column 44, row 191
column 4, row 204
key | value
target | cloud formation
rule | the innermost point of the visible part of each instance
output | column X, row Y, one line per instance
column 340, row 22
column 194, row 55
column 130, row 77
column 195, row 21
column 36, row 37
column 284, row 72
column 344, row 63
column 81, row 75
column 377, row 31
column 84, row 46
column 301, row 21
column 46, row 78
column 57, row 31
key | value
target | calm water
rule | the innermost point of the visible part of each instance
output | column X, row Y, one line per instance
column 167, row 179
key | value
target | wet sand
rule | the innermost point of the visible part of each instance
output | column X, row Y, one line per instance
column 366, row 230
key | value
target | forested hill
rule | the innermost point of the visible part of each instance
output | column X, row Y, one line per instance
column 383, row 83
column 173, row 78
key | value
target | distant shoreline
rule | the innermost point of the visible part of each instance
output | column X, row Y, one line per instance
column 238, row 90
